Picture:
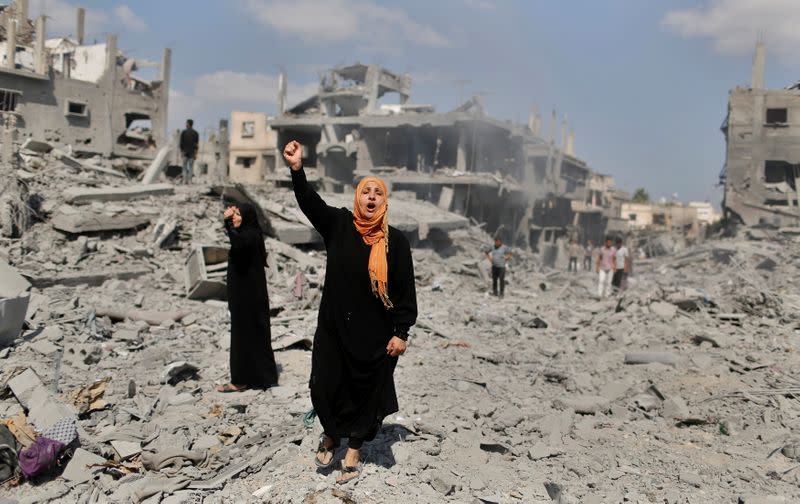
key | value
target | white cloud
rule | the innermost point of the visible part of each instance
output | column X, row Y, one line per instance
column 129, row 19
column 228, row 86
column 344, row 20
column 216, row 94
column 62, row 17
column 733, row 25
column 182, row 106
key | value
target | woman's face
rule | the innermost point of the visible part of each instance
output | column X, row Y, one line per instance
column 370, row 199
column 237, row 217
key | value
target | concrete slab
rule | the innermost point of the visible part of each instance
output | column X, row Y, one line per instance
column 79, row 469
column 14, row 298
column 126, row 449
column 87, row 194
column 157, row 166
column 43, row 408
column 36, row 146
column 86, row 220
column 89, row 278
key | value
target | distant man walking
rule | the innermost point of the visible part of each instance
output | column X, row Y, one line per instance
column 605, row 269
column 588, row 253
column 498, row 257
column 622, row 266
column 574, row 251
column 189, row 143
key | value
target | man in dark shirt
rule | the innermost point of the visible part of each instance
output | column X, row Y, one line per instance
column 189, row 142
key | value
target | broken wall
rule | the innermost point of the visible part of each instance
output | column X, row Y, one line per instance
column 763, row 156
column 93, row 117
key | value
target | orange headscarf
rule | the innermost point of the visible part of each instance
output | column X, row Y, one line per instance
column 375, row 233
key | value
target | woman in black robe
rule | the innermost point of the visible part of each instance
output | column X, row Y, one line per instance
column 252, row 361
column 361, row 328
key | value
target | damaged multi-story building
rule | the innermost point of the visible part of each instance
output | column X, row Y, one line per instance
column 762, row 162
column 87, row 96
column 523, row 187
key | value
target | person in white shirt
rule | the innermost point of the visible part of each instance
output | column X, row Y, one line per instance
column 622, row 265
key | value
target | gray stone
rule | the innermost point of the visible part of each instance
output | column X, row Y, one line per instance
column 675, row 408
column 78, row 469
column 665, row 358
column 582, row 404
column 126, row 449
column 44, row 347
column 664, row 310
column 43, row 408
column 691, row 478
column 442, row 486
column 763, row 499
column 542, row 451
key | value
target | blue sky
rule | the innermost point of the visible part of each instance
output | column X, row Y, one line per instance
column 644, row 84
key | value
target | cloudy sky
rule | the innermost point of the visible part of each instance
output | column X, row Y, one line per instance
column 643, row 84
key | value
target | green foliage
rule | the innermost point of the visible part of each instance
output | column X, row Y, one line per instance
column 641, row 196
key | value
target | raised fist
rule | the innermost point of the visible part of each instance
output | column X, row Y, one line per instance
column 293, row 154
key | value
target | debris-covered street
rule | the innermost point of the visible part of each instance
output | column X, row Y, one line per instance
column 573, row 342
column 679, row 389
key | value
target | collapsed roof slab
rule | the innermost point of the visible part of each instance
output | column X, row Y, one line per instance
column 405, row 177
column 291, row 226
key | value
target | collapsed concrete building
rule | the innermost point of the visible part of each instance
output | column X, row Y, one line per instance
column 87, row 96
column 522, row 186
column 762, row 165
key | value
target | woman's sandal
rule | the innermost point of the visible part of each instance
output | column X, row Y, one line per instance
column 348, row 474
column 230, row 387
column 321, row 448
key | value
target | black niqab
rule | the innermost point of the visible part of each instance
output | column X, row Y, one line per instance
column 252, row 361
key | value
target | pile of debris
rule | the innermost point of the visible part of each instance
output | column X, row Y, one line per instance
column 679, row 389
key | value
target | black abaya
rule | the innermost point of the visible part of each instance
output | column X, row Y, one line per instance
column 252, row 361
column 352, row 382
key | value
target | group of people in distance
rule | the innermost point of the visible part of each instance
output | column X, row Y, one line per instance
column 368, row 306
column 612, row 263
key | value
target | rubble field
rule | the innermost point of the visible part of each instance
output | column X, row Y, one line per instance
column 679, row 389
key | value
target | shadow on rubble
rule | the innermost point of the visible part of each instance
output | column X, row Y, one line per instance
column 377, row 451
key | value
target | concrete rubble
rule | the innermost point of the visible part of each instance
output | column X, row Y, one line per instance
column 679, row 389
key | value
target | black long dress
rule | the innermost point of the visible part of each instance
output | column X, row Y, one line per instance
column 352, row 377
column 252, row 360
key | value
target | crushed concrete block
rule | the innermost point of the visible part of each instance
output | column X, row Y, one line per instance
column 763, row 499
column 126, row 449
column 44, row 409
column 179, row 371
column 80, row 467
column 36, row 146
column 90, row 219
column 542, row 451
column 675, row 408
column 665, row 358
column 14, row 299
column 44, row 347
column 443, row 484
column 666, row 311
column 582, row 404
column 691, row 478
column 157, row 165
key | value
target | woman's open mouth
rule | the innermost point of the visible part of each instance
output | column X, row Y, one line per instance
column 371, row 207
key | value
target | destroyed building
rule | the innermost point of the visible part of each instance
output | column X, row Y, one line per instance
column 762, row 162
column 253, row 148
column 523, row 187
column 86, row 95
